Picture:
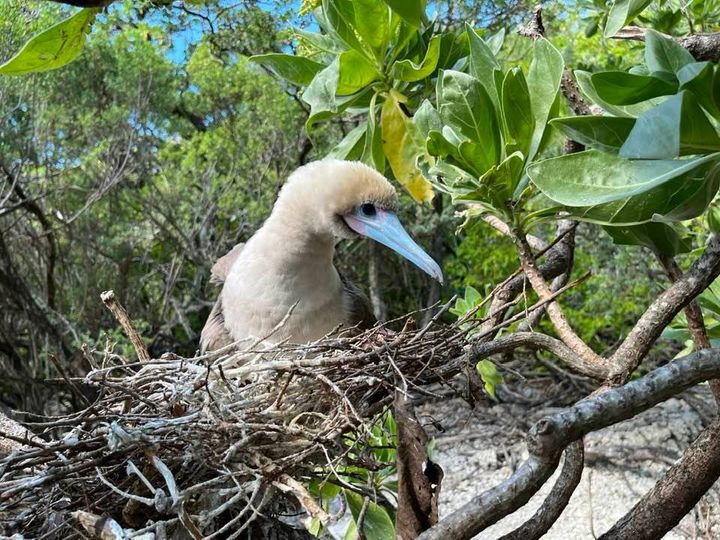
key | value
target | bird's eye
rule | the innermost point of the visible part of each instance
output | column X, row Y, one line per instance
column 368, row 209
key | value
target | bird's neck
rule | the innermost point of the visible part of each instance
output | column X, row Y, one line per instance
column 298, row 243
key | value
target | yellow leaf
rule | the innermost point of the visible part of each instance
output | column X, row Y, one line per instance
column 402, row 145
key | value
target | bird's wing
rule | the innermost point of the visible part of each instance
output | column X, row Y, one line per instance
column 360, row 311
column 222, row 266
column 214, row 335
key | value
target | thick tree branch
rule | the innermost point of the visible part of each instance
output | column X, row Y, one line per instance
column 548, row 437
column 703, row 47
column 676, row 493
column 557, row 500
column 663, row 310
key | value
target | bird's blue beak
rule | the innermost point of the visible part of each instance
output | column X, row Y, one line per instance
column 385, row 227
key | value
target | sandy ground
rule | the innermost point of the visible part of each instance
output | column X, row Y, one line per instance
column 480, row 448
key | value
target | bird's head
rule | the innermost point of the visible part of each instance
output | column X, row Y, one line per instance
column 343, row 199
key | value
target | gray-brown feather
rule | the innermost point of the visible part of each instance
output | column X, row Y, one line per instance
column 360, row 312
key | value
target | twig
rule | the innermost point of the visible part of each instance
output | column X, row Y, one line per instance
column 116, row 308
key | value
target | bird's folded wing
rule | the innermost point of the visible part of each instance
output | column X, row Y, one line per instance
column 214, row 334
column 222, row 266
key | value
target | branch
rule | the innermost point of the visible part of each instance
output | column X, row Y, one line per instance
column 549, row 436
column 116, row 308
column 676, row 493
column 478, row 351
column 702, row 46
column 663, row 310
column 557, row 500
column 557, row 317
column 694, row 316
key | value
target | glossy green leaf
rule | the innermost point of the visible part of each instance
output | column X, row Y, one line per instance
column 320, row 94
column 351, row 147
column 593, row 178
column 543, row 82
column 490, row 376
column 682, row 198
column 620, row 88
column 519, row 125
column 621, row 13
column 661, row 238
column 483, row 64
column 372, row 23
column 412, row 11
column 663, row 53
column 465, row 106
column 356, row 72
column 699, row 78
column 497, row 185
column 584, row 80
column 340, row 15
column 52, row 48
column 677, row 127
column 407, row 70
column 377, row 524
column 604, row 133
column 295, row 69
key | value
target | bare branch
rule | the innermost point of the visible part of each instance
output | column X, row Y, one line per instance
column 664, row 309
column 557, row 500
column 676, row 493
column 548, row 437
column 116, row 308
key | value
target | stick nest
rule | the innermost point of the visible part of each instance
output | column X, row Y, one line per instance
column 199, row 443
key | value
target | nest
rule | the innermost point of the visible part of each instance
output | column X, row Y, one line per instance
column 199, row 445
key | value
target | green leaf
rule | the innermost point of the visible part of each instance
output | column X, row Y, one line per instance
column 519, row 125
column 663, row 53
column 356, row 72
column 373, row 151
column 483, row 64
column 495, row 42
column 372, row 23
column 604, row 133
column 52, row 48
column 699, row 78
column 661, row 238
column 377, row 524
column 677, row 127
column 584, row 80
column 412, row 11
column 593, row 178
column 465, row 106
column 544, row 76
column 322, row 42
column 320, row 94
column 621, row 13
column 426, row 119
column 490, row 376
column 403, row 143
column 295, row 69
column 351, row 147
column 340, row 15
column 679, row 199
column 407, row 70
column 497, row 184
column 620, row 88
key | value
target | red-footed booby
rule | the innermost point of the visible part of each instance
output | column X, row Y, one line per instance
column 289, row 260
